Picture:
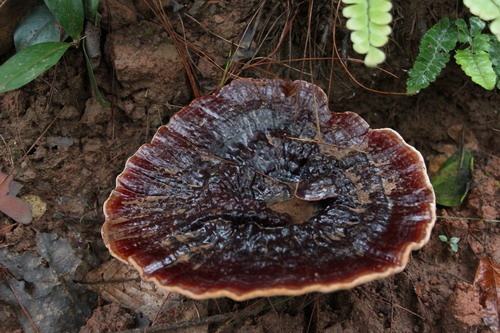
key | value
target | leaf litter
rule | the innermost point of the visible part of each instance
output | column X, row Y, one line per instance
column 42, row 282
column 488, row 280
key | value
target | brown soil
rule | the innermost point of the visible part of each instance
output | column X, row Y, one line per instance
column 66, row 149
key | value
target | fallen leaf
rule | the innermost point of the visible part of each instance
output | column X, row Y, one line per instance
column 10, row 205
column 451, row 183
column 118, row 283
column 488, row 279
column 43, row 282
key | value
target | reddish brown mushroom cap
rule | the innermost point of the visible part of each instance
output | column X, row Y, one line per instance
column 260, row 190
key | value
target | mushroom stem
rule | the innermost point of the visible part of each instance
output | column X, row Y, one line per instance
column 10, row 205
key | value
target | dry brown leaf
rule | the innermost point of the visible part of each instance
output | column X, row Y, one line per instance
column 121, row 284
column 118, row 283
column 10, row 205
column 488, row 280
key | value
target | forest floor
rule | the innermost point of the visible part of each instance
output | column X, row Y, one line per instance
column 66, row 150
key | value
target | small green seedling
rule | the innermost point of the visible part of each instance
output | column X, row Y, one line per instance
column 453, row 241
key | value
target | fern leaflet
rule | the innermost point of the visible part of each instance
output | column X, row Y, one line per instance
column 494, row 52
column 476, row 63
column 369, row 22
column 434, row 53
column 488, row 10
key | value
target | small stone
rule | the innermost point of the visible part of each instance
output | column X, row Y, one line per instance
column 38, row 206
column 218, row 19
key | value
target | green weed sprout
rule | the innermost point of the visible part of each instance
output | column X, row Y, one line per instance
column 38, row 49
column 369, row 22
column 478, row 54
column 453, row 242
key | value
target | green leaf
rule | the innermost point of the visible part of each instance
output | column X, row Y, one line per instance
column 91, row 7
column 451, row 182
column 38, row 26
column 463, row 31
column 476, row 63
column 369, row 22
column 495, row 28
column 443, row 238
column 476, row 26
column 466, row 34
column 434, row 53
column 485, row 9
column 69, row 14
column 488, row 10
column 25, row 66
column 93, row 80
column 374, row 56
column 494, row 53
column 454, row 240
column 347, row 2
column 454, row 247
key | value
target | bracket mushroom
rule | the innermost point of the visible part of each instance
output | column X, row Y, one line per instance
column 260, row 190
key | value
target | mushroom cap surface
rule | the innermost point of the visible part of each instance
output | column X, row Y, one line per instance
column 260, row 190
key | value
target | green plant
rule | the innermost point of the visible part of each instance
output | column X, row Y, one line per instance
column 477, row 54
column 369, row 22
column 488, row 10
column 453, row 242
column 451, row 182
column 37, row 41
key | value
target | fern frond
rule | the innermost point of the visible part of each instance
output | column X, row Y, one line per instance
column 369, row 22
column 434, row 53
column 465, row 33
column 476, row 63
column 488, row 10
column 495, row 28
column 494, row 52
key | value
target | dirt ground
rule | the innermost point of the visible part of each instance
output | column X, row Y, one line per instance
column 66, row 150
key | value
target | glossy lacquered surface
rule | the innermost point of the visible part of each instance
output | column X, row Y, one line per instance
column 259, row 190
